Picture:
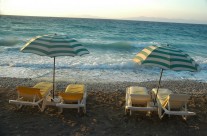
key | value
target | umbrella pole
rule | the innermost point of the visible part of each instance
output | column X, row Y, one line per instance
column 53, row 93
column 158, row 85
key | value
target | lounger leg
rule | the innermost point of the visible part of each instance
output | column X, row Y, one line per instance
column 60, row 110
column 185, row 109
column 169, row 109
column 184, row 117
column 148, row 113
column 43, row 105
column 19, row 106
column 130, row 112
column 39, row 107
column 127, row 111
column 84, row 110
column 160, row 112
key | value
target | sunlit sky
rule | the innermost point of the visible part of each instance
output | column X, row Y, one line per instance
column 174, row 10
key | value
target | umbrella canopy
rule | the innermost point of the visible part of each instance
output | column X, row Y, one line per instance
column 54, row 45
column 166, row 57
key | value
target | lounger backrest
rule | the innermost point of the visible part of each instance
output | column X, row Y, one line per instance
column 44, row 87
column 29, row 93
column 163, row 92
column 178, row 100
column 140, row 99
column 75, row 88
column 139, row 95
column 71, row 96
column 73, row 92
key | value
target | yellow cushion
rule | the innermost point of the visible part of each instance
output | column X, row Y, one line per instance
column 73, row 92
column 138, row 90
column 44, row 87
column 139, row 95
column 71, row 96
column 75, row 88
column 28, row 92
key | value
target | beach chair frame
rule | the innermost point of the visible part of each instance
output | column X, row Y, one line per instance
column 79, row 103
column 175, row 104
column 30, row 96
column 140, row 99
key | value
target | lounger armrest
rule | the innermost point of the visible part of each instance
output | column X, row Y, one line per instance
column 186, row 113
column 24, row 102
column 69, row 105
column 128, row 100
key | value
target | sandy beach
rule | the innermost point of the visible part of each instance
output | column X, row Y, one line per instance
column 105, row 112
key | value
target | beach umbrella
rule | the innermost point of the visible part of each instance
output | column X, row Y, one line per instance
column 54, row 45
column 166, row 57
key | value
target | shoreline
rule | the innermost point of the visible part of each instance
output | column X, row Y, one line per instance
column 105, row 112
column 177, row 86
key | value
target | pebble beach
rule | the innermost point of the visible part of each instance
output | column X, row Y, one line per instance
column 105, row 112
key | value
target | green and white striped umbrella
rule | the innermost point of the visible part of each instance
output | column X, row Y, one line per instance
column 54, row 45
column 166, row 57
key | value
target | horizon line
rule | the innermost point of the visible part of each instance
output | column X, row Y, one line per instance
column 103, row 18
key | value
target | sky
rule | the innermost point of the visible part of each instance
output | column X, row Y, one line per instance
column 190, row 11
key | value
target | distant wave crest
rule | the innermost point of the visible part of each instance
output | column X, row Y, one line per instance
column 9, row 42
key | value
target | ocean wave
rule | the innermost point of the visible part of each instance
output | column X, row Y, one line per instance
column 122, row 66
column 200, row 60
column 16, row 49
column 29, row 65
column 9, row 41
column 129, row 66
column 110, row 46
column 28, row 29
column 116, row 45
column 109, row 66
column 18, row 22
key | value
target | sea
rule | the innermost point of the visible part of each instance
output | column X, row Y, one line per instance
column 112, row 45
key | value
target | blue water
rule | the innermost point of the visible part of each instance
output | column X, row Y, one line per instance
column 112, row 45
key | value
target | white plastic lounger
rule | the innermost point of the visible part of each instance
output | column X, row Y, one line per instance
column 172, row 104
column 138, row 99
column 73, row 97
column 32, row 96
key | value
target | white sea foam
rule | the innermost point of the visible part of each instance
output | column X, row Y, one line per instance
column 112, row 47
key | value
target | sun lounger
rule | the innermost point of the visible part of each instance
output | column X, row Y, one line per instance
column 138, row 99
column 73, row 97
column 32, row 96
column 171, row 104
